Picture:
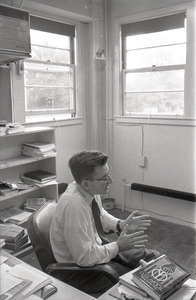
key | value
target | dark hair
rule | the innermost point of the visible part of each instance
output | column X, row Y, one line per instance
column 83, row 164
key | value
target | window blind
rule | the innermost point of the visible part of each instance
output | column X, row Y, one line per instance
column 52, row 26
column 154, row 25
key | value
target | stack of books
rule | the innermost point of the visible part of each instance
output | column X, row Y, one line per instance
column 39, row 150
column 39, row 177
column 158, row 279
column 15, row 236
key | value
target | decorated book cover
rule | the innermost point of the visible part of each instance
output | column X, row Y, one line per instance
column 161, row 277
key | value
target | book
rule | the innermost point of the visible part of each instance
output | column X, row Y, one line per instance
column 17, row 184
column 20, row 218
column 39, row 176
column 32, row 204
column 11, row 232
column 41, row 147
column 160, row 278
column 16, row 245
column 6, row 190
column 126, row 279
column 186, row 292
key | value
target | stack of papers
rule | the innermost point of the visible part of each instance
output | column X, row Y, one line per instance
column 39, row 150
column 15, row 284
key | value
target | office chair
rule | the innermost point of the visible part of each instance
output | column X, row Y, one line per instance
column 38, row 230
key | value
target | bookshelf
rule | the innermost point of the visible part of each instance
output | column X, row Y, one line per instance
column 13, row 165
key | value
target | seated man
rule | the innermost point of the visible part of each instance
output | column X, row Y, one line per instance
column 77, row 232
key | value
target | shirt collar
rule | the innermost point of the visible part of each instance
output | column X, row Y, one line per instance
column 86, row 195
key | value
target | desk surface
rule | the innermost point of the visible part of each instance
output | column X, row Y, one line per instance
column 64, row 291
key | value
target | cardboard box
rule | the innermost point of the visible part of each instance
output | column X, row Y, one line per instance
column 108, row 203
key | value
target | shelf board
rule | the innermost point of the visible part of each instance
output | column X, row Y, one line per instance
column 34, row 188
column 29, row 130
column 18, row 161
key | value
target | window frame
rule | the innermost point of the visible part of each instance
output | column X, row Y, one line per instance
column 49, row 114
column 189, row 118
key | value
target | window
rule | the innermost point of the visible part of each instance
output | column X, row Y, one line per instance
column 49, row 75
column 154, row 58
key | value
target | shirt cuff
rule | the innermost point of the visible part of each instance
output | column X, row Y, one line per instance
column 113, row 249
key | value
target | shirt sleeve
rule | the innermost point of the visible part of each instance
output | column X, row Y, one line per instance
column 80, row 238
column 109, row 222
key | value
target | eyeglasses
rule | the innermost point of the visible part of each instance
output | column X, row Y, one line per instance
column 109, row 177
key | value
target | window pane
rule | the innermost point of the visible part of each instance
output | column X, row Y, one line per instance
column 155, row 81
column 49, row 78
column 160, row 56
column 168, row 37
column 167, row 103
column 50, row 54
column 49, row 39
column 48, row 98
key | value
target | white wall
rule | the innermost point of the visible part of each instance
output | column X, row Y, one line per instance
column 169, row 145
column 169, row 148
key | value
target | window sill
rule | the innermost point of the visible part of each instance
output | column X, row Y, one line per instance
column 127, row 120
column 58, row 123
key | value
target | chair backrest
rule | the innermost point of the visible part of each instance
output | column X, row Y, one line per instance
column 38, row 230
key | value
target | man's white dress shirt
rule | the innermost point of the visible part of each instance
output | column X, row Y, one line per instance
column 73, row 234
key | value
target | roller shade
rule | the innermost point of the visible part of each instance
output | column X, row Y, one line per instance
column 52, row 26
column 154, row 25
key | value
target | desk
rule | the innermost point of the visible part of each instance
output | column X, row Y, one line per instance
column 64, row 291
column 181, row 294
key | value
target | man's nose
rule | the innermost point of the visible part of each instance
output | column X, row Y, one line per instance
column 110, row 179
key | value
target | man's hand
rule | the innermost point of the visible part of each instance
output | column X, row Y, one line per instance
column 136, row 222
column 131, row 241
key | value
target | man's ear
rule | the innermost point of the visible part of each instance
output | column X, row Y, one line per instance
column 85, row 184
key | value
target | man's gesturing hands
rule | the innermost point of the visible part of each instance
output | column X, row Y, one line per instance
column 130, row 241
column 135, row 222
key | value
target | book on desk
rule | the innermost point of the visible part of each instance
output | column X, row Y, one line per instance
column 159, row 279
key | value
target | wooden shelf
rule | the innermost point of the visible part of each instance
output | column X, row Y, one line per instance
column 28, row 130
column 19, row 160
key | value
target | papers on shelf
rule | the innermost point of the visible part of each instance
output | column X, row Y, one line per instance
column 20, row 218
column 14, row 215
column 6, row 214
